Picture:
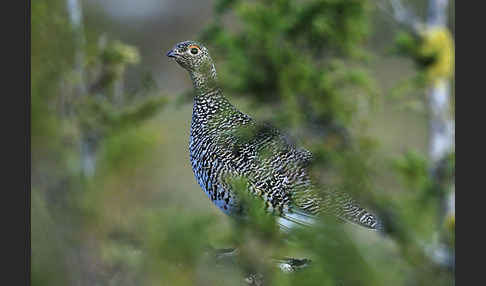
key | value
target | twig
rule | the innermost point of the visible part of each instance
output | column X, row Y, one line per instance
column 286, row 264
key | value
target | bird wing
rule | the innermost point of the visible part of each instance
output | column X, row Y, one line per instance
column 265, row 151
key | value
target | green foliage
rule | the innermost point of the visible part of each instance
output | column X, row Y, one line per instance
column 297, row 55
column 129, row 224
column 174, row 243
column 126, row 148
column 107, row 118
column 432, row 51
column 414, row 169
column 119, row 53
column 409, row 45
column 51, row 56
column 254, row 218
column 337, row 260
column 46, row 247
column 61, row 118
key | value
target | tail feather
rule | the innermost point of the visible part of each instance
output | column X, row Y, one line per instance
column 349, row 210
column 356, row 215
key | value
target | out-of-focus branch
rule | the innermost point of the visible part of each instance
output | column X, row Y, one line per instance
column 286, row 264
column 401, row 15
column 289, row 264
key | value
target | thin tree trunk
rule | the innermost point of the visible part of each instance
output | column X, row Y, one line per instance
column 76, row 19
column 87, row 144
column 441, row 123
column 442, row 126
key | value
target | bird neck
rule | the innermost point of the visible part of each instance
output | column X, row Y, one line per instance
column 205, row 81
column 209, row 101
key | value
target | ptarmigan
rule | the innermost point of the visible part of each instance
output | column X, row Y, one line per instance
column 225, row 143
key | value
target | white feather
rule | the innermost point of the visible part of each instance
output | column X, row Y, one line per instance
column 295, row 219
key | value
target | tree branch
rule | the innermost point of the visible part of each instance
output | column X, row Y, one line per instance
column 401, row 15
column 285, row 265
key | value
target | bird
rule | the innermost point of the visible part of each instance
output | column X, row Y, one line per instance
column 225, row 143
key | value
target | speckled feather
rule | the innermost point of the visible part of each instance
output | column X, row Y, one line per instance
column 226, row 143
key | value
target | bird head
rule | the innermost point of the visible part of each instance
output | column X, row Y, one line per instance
column 192, row 56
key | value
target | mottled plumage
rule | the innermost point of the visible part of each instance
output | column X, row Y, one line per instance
column 226, row 143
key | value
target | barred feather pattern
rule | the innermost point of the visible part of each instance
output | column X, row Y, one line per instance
column 226, row 143
column 275, row 168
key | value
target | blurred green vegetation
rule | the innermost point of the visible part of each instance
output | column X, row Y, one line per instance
column 303, row 66
column 300, row 57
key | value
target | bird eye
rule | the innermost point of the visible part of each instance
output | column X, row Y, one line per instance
column 194, row 51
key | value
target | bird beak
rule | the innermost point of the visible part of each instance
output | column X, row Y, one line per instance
column 171, row 54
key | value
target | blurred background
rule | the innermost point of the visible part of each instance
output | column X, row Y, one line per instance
column 367, row 86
